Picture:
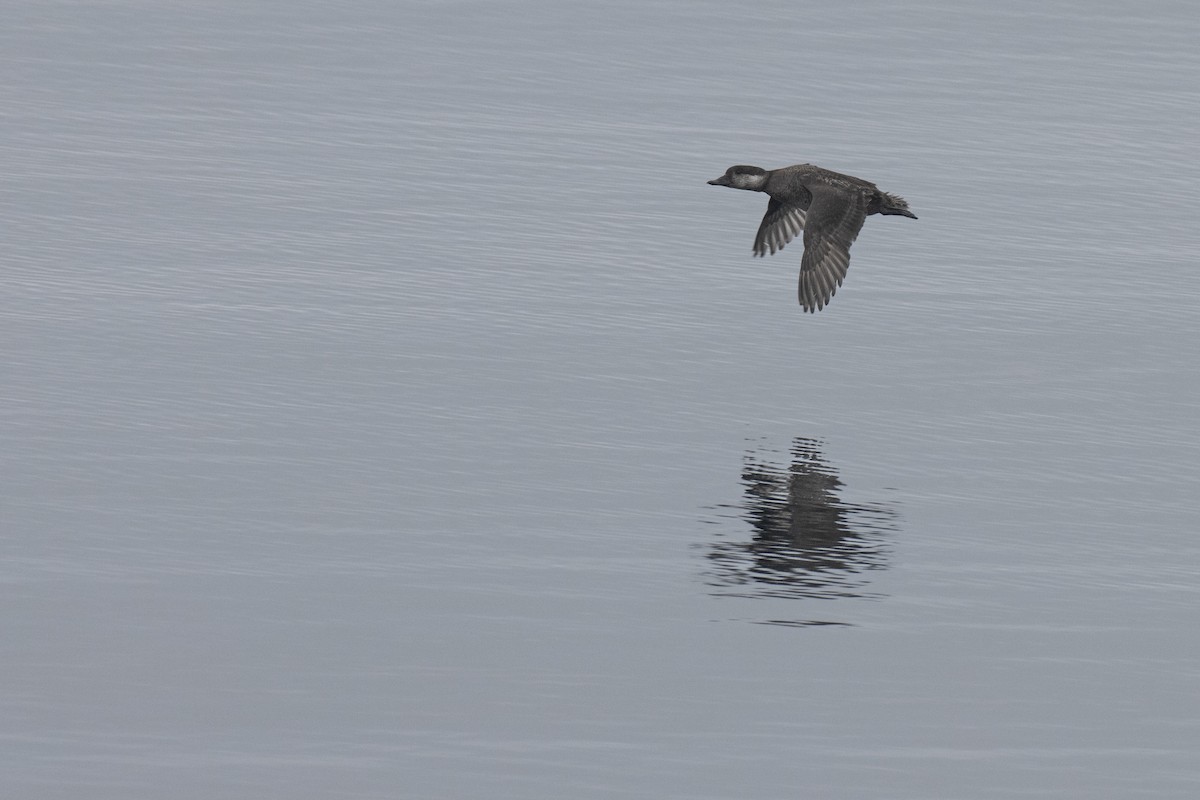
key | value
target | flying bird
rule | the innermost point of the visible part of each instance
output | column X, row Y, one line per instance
column 828, row 206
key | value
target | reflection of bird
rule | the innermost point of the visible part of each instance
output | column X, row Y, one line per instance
column 829, row 207
column 807, row 541
column 799, row 507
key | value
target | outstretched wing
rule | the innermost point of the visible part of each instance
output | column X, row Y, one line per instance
column 834, row 219
column 780, row 225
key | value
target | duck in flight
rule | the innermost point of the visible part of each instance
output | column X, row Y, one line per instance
column 828, row 206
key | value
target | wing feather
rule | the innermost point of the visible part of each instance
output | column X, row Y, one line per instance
column 833, row 221
column 782, row 223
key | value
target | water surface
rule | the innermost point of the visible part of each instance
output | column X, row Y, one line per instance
column 392, row 410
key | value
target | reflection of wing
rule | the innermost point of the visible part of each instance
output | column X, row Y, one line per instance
column 834, row 220
column 780, row 225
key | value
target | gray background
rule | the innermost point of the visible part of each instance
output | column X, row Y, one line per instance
column 391, row 410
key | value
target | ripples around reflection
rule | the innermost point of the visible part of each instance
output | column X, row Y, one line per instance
column 806, row 542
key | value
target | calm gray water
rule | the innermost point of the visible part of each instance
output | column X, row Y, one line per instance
column 391, row 410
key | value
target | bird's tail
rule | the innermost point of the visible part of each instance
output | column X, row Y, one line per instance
column 894, row 204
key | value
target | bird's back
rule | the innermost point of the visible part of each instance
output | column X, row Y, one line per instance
column 791, row 183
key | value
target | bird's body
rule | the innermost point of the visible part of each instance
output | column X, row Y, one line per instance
column 828, row 206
